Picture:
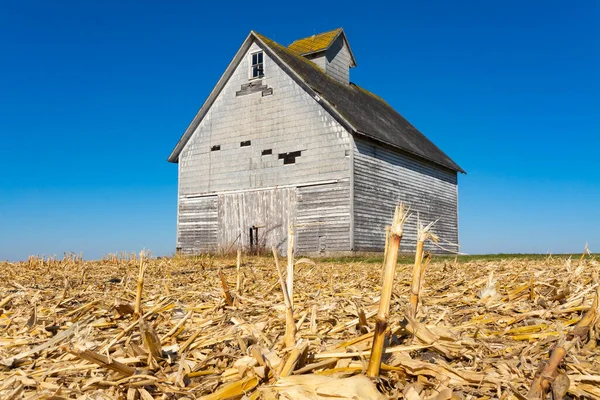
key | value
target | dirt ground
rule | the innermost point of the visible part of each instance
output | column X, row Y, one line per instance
column 68, row 329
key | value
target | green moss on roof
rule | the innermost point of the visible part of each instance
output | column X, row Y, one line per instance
column 314, row 43
column 369, row 93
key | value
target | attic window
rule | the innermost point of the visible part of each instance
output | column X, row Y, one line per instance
column 289, row 158
column 257, row 70
column 216, row 147
column 267, row 152
column 245, row 143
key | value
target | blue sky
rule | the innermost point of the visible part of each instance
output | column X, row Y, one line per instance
column 94, row 95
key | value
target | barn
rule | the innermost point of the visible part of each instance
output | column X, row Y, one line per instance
column 286, row 139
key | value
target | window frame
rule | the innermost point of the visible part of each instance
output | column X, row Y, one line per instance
column 252, row 65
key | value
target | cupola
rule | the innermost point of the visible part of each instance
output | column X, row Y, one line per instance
column 330, row 51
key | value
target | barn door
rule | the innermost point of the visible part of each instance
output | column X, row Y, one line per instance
column 265, row 213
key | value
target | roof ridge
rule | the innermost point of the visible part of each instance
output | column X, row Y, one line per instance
column 298, row 57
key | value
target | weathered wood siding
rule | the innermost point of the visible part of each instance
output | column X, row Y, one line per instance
column 323, row 218
column 338, row 61
column 274, row 114
column 286, row 121
column 269, row 210
column 382, row 177
column 320, row 60
column 197, row 225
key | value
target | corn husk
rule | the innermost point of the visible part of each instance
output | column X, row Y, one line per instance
column 319, row 387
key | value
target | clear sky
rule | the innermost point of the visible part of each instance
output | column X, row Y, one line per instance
column 94, row 96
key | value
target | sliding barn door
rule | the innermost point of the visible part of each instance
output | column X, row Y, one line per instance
column 267, row 213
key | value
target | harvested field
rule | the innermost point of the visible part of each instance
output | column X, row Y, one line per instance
column 69, row 329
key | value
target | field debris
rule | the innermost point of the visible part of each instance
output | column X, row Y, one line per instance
column 130, row 327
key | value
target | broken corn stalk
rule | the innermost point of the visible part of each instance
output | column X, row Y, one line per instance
column 290, row 326
column 290, row 264
column 226, row 292
column 400, row 217
column 100, row 360
column 234, row 390
column 140, row 286
column 423, row 234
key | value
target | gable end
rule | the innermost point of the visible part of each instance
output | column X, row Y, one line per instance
column 252, row 87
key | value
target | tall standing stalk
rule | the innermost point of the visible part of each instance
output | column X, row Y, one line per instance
column 140, row 286
column 290, row 264
column 389, row 268
column 290, row 326
column 385, row 249
column 238, row 266
column 423, row 234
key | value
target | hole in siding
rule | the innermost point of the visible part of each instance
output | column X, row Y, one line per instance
column 267, row 152
column 347, row 153
column 245, row 143
column 290, row 158
column 216, row 147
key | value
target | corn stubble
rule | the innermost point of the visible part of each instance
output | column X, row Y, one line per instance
column 137, row 327
column 394, row 237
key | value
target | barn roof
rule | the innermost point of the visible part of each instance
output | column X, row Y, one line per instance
column 359, row 110
column 367, row 113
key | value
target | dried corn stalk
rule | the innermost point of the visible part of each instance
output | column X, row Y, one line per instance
column 400, row 217
column 423, row 234
column 290, row 325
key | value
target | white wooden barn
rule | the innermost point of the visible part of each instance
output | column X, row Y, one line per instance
column 285, row 138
